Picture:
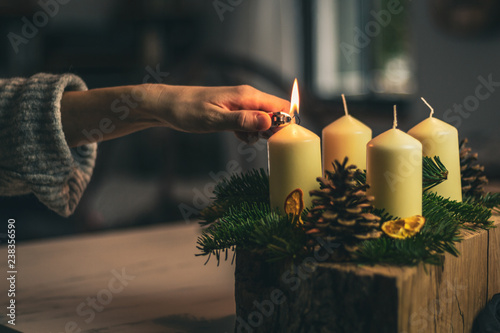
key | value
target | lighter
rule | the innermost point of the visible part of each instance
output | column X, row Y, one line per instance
column 280, row 119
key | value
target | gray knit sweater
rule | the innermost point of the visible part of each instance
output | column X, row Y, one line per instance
column 34, row 155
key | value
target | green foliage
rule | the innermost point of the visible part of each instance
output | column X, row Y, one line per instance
column 441, row 230
column 433, row 172
column 247, row 187
column 281, row 237
column 488, row 200
column 241, row 217
column 472, row 215
column 253, row 226
column 234, row 229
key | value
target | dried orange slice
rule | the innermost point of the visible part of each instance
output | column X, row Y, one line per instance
column 404, row 228
column 294, row 203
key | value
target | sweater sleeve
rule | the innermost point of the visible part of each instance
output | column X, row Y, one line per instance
column 34, row 155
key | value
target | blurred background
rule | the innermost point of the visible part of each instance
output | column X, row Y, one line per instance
column 377, row 52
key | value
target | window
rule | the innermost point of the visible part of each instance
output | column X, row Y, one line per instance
column 359, row 47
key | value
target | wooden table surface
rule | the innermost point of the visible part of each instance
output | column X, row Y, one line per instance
column 143, row 280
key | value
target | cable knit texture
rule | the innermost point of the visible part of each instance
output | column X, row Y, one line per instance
column 34, row 155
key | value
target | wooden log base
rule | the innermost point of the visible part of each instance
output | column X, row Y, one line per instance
column 313, row 296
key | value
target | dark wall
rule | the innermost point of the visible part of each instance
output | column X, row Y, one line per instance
column 449, row 68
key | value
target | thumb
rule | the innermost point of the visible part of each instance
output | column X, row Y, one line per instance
column 246, row 121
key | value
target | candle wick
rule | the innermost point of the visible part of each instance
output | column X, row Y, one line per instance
column 430, row 107
column 345, row 105
column 395, row 123
column 297, row 119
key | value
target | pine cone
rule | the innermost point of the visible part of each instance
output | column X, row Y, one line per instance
column 473, row 177
column 341, row 212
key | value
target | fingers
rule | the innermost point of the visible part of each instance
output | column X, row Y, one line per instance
column 245, row 121
column 248, row 98
column 243, row 103
column 212, row 109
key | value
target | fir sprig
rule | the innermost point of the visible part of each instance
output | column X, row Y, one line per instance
column 280, row 237
column 235, row 228
column 472, row 214
column 252, row 186
column 433, row 172
column 241, row 217
column 438, row 236
column 488, row 200
column 255, row 227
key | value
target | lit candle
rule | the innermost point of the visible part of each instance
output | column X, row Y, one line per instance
column 346, row 136
column 394, row 172
column 294, row 156
column 441, row 139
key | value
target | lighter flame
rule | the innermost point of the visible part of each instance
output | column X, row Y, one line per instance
column 294, row 106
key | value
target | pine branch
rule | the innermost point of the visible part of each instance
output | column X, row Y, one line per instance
column 235, row 228
column 438, row 236
column 488, row 200
column 396, row 252
column 253, row 227
column 249, row 187
column 466, row 213
column 433, row 172
column 384, row 215
column 241, row 216
column 282, row 237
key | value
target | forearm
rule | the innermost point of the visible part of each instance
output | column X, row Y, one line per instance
column 35, row 155
column 105, row 113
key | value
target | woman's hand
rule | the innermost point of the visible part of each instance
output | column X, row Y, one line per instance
column 106, row 113
column 213, row 109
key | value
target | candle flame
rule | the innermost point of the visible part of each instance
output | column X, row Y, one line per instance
column 294, row 106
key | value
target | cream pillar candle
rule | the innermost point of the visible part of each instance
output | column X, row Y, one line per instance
column 394, row 172
column 346, row 136
column 441, row 139
column 294, row 156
